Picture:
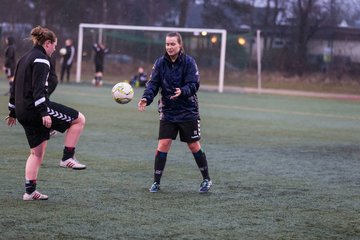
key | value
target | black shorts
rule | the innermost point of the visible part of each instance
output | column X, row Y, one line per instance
column 189, row 131
column 61, row 117
column 99, row 68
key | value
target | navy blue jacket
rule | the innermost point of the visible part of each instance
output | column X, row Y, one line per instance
column 165, row 77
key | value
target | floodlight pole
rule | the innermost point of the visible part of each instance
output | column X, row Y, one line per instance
column 258, row 49
column 222, row 62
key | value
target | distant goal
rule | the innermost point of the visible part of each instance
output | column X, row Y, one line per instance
column 207, row 46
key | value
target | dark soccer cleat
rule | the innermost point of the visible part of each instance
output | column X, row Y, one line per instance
column 155, row 187
column 205, row 186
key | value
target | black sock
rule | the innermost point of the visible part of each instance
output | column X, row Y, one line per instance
column 10, row 85
column 98, row 79
column 68, row 153
column 159, row 166
column 201, row 161
column 30, row 186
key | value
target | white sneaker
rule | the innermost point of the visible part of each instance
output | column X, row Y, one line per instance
column 34, row 196
column 72, row 163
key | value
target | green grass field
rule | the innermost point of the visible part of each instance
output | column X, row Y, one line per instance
column 282, row 167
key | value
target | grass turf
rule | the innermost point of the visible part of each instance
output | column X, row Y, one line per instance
column 282, row 167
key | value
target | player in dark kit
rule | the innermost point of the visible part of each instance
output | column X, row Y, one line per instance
column 10, row 61
column 177, row 75
column 100, row 52
column 67, row 60
column 29, row 103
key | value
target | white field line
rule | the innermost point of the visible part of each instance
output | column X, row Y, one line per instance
column 298, row 113
column 236, row 89
column 245, row 108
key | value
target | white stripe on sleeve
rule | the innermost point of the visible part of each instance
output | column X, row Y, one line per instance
column 40, row 60
column 11, row 106
column 39, row 101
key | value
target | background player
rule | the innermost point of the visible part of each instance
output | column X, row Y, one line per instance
column 67, row 60
column 10, row 61
column 100, row 52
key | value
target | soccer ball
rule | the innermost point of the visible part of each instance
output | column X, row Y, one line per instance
column 62, row 51
column 122, row 92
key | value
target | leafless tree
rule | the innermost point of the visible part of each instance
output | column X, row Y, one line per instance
column 308, row 16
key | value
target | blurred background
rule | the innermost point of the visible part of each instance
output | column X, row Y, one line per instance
column 310, row 45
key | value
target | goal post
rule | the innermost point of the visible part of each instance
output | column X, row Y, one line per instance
column 101, row 27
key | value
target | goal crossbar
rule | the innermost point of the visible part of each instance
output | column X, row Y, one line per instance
column 151, row 28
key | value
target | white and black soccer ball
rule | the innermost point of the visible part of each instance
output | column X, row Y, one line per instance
column 122, row 92
column 62, row 51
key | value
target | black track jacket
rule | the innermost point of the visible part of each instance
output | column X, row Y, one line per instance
column 29, row 94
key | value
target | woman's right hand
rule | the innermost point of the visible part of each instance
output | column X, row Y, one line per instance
column 10, row 121
column 47, row 121
column 142, row 104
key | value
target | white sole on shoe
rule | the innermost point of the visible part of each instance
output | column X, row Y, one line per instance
column 72, row 164
column 35, row 196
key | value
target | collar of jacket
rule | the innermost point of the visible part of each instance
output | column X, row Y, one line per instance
column 179, row 58
column 40, row 48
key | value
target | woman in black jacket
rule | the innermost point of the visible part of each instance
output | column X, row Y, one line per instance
column 29, row 104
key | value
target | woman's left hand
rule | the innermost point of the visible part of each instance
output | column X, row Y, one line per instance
column 177, row 93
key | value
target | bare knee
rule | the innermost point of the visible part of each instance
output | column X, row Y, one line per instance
column 194, row 146
column 80, row 120
column 164, row 145
column 37, row 154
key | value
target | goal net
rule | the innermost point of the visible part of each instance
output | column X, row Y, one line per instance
column 134, row 46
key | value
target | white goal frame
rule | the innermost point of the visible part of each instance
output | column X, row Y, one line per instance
column 149, row 28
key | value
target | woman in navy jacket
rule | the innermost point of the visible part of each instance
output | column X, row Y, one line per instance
column 176, row 76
